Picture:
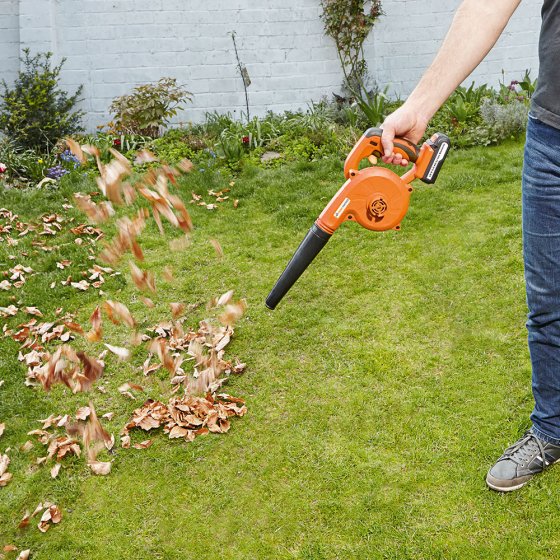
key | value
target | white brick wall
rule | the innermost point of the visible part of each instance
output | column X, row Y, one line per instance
column 9, row 39
column 112, row 45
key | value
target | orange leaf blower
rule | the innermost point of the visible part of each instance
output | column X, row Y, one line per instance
column 375, row 197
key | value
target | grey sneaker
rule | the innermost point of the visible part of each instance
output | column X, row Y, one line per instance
column 527, row 457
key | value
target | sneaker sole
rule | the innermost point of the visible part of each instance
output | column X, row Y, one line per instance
column 506, row 488
column 494, row 486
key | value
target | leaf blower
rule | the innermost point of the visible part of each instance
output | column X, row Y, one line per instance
column 375, row 197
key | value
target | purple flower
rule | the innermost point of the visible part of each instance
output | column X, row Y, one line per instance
column 56, row 172
column 68, row 156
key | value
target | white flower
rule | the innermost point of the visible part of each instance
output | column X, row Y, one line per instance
column 3, row 168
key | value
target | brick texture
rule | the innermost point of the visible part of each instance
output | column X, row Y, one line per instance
column 113, row 45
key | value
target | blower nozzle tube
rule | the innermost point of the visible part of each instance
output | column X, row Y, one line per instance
column 309, row 248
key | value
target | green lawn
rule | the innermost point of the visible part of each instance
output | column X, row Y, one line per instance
column 379, row 392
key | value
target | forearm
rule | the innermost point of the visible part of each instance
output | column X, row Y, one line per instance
column 474, row 31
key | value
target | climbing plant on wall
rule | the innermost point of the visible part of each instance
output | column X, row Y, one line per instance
column 349, row 22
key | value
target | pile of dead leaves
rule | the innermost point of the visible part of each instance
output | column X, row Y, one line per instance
column 186, row 417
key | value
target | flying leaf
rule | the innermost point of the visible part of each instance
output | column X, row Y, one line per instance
column 121, row 353
column 96, row 332
column 217, row 247
column 100, row 468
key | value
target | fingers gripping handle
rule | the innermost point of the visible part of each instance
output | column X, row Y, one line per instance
column 370, row 144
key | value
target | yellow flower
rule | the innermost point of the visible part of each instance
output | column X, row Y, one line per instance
column 39, row 160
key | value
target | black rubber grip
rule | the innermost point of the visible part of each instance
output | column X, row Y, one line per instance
column 409, row 148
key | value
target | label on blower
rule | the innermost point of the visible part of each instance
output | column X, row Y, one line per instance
column 341, row 208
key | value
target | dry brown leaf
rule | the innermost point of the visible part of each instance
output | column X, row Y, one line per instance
column 143, row 444
column 121, row 353
column 118, row 312
column 82, row 413
column 55, row 470
column 177, row 309
column 27, row 446
column 96, row 332
column 33, row 311
column 232, row 313
column 5, row 478
column 100, row 468
column 168, row 273
column 4, row 463
column 144, row 280
column 24, row 554
column 2, row 428
column 25, row 521
column 76, row 149
column 217, row 247
column 144, row 156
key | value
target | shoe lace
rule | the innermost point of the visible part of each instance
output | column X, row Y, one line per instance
column 527, row 448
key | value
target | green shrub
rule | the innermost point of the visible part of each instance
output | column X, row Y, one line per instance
column 171, row 148
column 35, row 113
column 149, row 107
column 505, row 121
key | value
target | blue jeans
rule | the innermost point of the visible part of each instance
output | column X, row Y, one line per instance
column 541, row 252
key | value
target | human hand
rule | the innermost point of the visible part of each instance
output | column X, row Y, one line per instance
column 405, row 122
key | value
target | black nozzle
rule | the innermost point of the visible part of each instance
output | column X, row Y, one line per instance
column 309, row 248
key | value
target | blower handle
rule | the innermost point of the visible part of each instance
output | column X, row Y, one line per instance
column 370, row 145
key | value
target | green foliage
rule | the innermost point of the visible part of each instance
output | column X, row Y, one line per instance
column 374, row 106
column 474, row 95
column 35, row 113
column 172, row 148
column 230, row 147
column 149, row 107
column 527, row 85
column 348, row 23
column 25, row 167
column 505, row 121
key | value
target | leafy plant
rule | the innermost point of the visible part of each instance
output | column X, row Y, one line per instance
column 374, row 105
column 24, row 166
column 506, row 121
column 171, row 148
column 527, row 85
column 348, row 23
column 231, row 148
column 474, row 95
column 149, row 107
column 460, row 110
column 35, row 113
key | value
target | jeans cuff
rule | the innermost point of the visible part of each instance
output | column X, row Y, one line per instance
column 542, row 436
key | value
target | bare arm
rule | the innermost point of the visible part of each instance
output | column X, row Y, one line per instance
column 474, row 31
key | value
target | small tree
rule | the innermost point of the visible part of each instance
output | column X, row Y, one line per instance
column 149, row 107
column 35, row 113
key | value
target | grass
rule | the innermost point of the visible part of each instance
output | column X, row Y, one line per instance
column 379, row 392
